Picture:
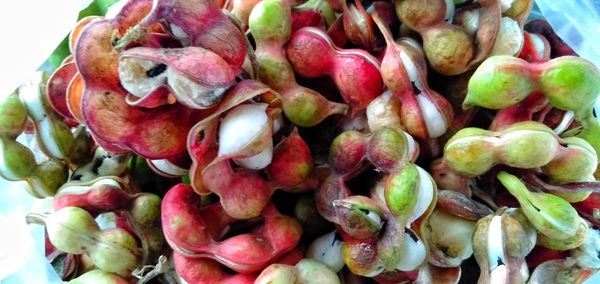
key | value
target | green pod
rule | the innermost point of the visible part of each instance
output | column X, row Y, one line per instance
column 70, row 229
column 549, row 214
column 570, row 83
column 499, row 82
column 53, row 135
column 358, row 216
column 145, row 209
column 277, row 274
column 271, row 21
column 55, row 138
column 589, row 132
column 16, row 161
column 97, row 276
column 577, row 162
column 471, row 155
column 347, row 151
column 303, row 106
column 527, row 148
column 48, row 177
column 13, row 116
column 567, row 244
column 313, row 271
column 401, row 192
column 115, row 250
column 387, row 148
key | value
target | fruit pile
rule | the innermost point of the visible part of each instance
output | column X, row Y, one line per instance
column 280, row 141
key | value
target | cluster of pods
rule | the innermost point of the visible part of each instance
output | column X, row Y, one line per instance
column 282, row 141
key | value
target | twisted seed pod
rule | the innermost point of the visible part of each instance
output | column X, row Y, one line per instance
column 307, row 271
column 568, row 82
column 301, row 105
column 500, row 244
column 98, row 276
column 549, row 214
column 473, row 151
column 74, row 230
column 17, row 161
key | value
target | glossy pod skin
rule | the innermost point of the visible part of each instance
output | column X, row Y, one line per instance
column 196, row 77
column 568, row 82
column 387, row 149
column 186, row 21
column 500, row 244
column 98, row 276
column 449, row 48
column 197, row 232
column 53, row 137
column 303, row 106
column 405, row 200
column 74, row 230
column 473, row 151
column 425, row 113
column 155, row 133
column 308, row 271
column 108, row 194
column 355, row 72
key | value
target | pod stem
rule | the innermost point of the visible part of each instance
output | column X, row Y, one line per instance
column 35, row 218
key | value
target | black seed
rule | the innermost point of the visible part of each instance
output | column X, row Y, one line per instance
column 336, row 237
column 156, row 70
column 97, row 165
column 412, row 235
column 499, row 261
column 414, row 87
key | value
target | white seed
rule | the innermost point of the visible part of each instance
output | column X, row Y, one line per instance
column 510, row 38
column 434, row 120
column 133, row 76
column 241, row 126
column 168, row 168
column 425, row 196
column 414, row 252
column 328, row 250
column 259, row 161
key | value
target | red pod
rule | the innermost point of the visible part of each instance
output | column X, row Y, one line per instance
column 355, row 72
column 197, row 232
column 206, row 270
column 57, row 87
column 194, row 23
column 243, row 193
column 359, row 26
column 425, row 113
column 459, row 205
column 307, row 18
column 152, row 133
column 292, row 162
column 103, row 195
column 536, row 48
column 446, row 178
column 540, row 255
column 589, row 208
column 522, row 111
column 332, row 188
